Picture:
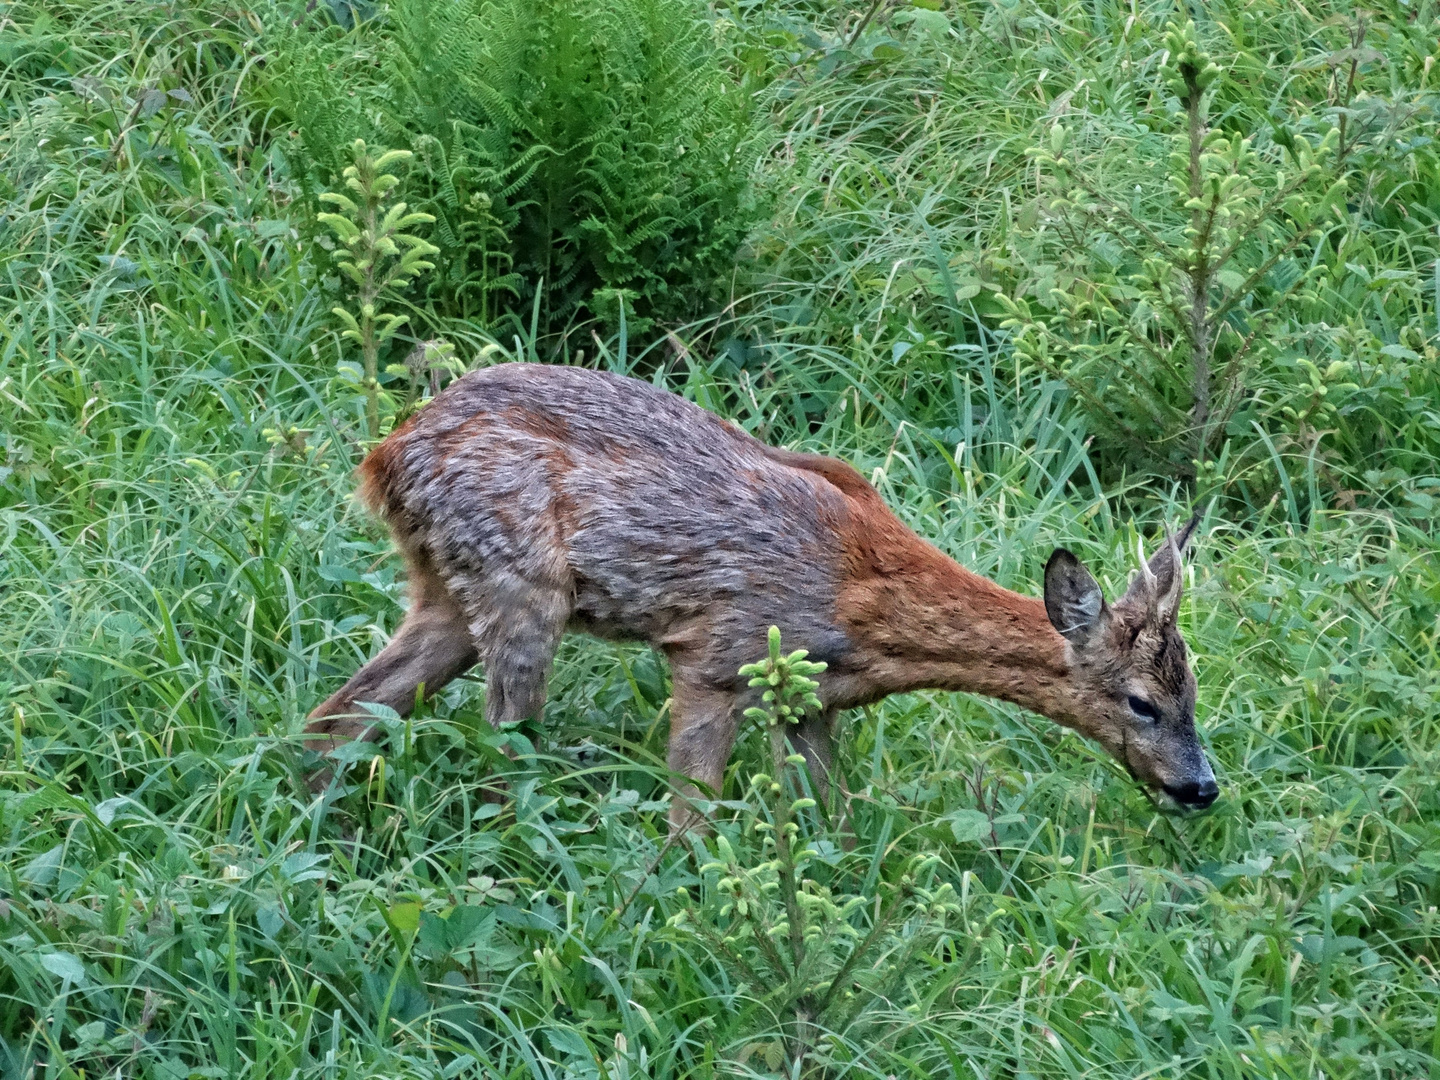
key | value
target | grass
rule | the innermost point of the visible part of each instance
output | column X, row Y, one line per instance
column 184, row 575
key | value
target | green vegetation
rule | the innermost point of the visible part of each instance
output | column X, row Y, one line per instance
column 583, row 156
column 379, row 257
column 921, row 236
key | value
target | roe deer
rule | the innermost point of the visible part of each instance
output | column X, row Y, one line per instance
column 529, row 499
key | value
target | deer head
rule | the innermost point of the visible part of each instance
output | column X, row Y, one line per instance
column 1129, row 662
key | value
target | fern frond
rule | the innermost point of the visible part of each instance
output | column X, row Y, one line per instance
column 591, row 146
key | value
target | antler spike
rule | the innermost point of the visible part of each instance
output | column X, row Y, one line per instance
column 1145, row 571
column 1169, row 605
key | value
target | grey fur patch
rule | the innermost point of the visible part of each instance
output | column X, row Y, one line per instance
column 551, row 497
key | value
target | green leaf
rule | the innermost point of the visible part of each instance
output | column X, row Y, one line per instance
column 932, row 23
column 404, row 921
column 969, row 826
column 151, row 102
column 64, row 964
column 342, row 226
column 391, row 157
column 345, row 317
column 391, row 325
column 344, row 202
column 463, row 927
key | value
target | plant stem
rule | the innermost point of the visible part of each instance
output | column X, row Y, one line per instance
column 1357, row 42
column 784, row 855
column 1200, row 270
column 858, row 954
column 369, row 293
column 860, row 29
column 803, row 1033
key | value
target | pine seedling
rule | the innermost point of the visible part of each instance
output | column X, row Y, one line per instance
column 788, row 693
column 787, row 925
column 379, row 255
column 1158, row 356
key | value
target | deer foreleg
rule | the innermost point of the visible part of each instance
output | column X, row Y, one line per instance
column 702, row 734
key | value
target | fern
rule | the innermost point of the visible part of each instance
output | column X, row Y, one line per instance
column 566, row 149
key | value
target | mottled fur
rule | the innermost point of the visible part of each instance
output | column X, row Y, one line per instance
column 532, row 499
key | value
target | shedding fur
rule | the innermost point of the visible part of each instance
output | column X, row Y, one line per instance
column 529, row 500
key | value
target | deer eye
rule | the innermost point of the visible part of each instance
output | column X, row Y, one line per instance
column 1141, row 707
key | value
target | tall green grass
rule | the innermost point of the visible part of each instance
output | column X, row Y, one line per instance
column 910, row 209
column 184, row 576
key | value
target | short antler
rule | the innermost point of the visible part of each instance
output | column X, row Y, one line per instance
column 1169, row 604
column 1161, row 606
column 1151, row 584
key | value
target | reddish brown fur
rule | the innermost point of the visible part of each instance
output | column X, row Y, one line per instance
column 377, row 472
column 530, row 499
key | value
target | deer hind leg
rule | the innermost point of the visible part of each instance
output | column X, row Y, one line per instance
column 703, row 724
column 517, row 625
column 430, row 649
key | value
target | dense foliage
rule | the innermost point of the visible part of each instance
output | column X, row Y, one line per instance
column 580, row 158
column 930, row 184
column 184, row 575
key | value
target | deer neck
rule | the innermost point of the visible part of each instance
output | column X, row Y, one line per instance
column 925, row 622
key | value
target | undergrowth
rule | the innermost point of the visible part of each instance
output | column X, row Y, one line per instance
column 582, row 160
column 915, row 209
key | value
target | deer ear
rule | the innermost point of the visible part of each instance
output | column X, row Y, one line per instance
column 1182, row 538
column 1072, row 598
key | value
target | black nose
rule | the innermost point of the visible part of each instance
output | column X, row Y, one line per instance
column 1197, row 794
